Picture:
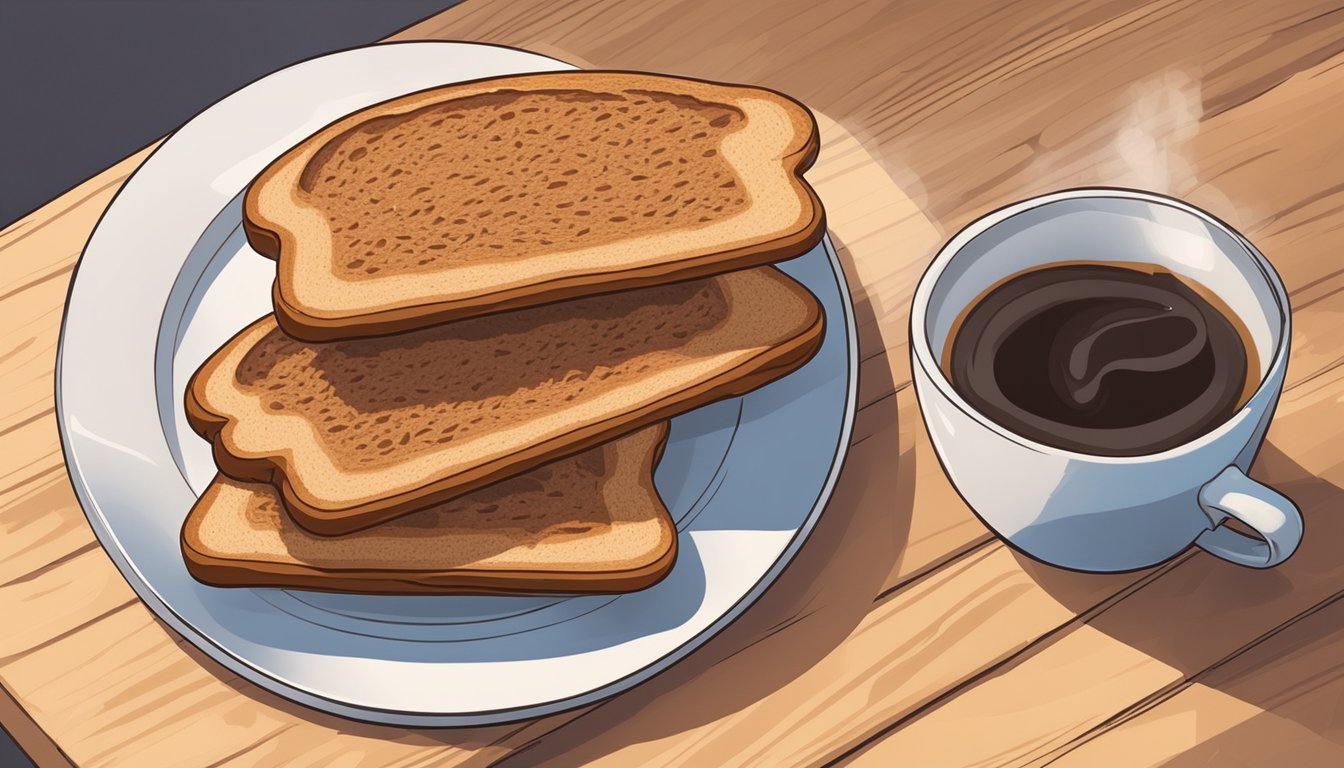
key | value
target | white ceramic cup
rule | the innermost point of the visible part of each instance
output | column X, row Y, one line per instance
column 1107, row 513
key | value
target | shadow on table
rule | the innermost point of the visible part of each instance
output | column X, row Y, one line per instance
column 822, row 596
column 1199, row 611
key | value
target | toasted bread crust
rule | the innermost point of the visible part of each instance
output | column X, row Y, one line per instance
column 624, row 495
column 275, row 462
column 308, row 290
column 221, row 572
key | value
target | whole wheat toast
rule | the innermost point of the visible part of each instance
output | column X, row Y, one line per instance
column 592, row 522
column 360, row 431
column 479, row 197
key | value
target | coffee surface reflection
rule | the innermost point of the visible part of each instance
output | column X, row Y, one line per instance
column 1101, row 359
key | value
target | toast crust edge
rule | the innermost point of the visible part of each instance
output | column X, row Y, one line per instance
column 224, row 572
column 276, row 467
column 270, row 237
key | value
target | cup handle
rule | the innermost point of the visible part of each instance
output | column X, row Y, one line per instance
column 1271, row 514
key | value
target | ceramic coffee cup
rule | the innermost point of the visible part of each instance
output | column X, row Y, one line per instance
column 1108, row 513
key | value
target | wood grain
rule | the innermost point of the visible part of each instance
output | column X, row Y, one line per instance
column 1144, row 649
column 1149, row 646
column 903, row 626
column 1277, row 704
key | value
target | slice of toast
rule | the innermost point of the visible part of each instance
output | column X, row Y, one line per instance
column 588, row 523
column 516, row 191
column 357, row 432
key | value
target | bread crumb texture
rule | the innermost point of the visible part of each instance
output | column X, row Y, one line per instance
column 379, row 402
column 506, row 174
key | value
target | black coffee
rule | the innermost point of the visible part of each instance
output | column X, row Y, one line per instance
column 1101, row 359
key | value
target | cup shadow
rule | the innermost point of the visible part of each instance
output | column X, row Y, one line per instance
column 1293, row 679
column 1197, row 613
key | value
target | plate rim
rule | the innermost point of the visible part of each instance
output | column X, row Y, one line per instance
column 290, row 691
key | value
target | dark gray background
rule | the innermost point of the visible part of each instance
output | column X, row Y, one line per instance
column 84, row 83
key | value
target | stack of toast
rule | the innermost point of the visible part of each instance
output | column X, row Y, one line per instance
column 490, row 298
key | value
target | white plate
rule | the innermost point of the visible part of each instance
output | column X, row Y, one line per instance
column 167, row 276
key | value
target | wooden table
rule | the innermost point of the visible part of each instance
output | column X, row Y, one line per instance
column 904, row 633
